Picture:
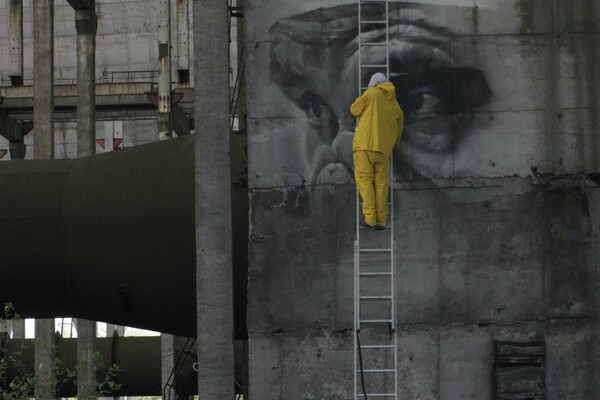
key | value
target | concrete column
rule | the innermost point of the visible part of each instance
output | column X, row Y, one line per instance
column 43, row 75
column 164, row 69
column 18, row 329
column 167, row 364
column 43, row 137
column 183, row 44
column 16, row 42
column 44, row 358
column 214, row 283
column 86, row 24
column 86, row 368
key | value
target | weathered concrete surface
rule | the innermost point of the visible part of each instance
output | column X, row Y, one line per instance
column 214, row 261
column 43, row 103
column 475, row 264
column 496, row 215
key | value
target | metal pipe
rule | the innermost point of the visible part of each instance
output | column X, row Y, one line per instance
column 63, row 255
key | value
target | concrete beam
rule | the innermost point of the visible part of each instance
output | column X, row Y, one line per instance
column 214, row 277
column 113, row 101
column 43, row 75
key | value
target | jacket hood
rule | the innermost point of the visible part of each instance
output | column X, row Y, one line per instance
column 388, row 88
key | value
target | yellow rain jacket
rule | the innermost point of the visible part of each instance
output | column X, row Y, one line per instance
column 381, row 120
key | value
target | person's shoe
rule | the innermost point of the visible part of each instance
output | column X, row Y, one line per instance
column 379, row 227
column 363, row 224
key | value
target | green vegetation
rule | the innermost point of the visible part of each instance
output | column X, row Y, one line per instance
column 23, row 384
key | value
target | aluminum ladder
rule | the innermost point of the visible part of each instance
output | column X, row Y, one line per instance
column 375, row 338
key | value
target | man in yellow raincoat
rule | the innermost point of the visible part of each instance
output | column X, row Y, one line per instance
column 379, row 130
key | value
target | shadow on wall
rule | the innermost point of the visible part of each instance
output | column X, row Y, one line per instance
column 314, row 61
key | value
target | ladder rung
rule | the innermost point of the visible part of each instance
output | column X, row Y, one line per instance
column 377, row 395
column 375, row 321
column 376, row 371
column 374, row 66
column 374, row 22
column 375, row 297
column 375, row 250
column 375, row 274
column 377, row 346
column 374, row 44
column 373, row 1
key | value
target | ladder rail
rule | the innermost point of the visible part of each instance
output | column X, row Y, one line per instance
column 390, row 345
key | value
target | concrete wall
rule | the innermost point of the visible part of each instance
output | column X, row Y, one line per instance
column 496, row 209
column 126, row 38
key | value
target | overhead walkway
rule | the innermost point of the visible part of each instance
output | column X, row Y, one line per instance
column 114, row 101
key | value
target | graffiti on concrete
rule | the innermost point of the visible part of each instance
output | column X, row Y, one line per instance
column 314, row 61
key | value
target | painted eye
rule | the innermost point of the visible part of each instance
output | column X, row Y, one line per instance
column 425, row 100
column 315, row 108
column 428, row 103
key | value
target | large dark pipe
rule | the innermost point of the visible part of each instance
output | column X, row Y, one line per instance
column 138, row 358
column 107, row 238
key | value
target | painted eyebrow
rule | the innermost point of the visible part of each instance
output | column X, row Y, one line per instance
column 341, row 22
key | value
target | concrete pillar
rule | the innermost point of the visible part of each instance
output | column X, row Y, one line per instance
column 183, row 44
column 86, row 368
column 18, row 329
column 43, row 137
column 44, row 359
column 43, row 75
column 214, row 283
column 86, row 25
column 167, row 351
column 164, row 69
column 16, row 42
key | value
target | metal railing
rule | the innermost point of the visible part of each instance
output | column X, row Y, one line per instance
column 106, row 77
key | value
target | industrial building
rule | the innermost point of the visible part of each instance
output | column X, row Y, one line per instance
column 186, row 167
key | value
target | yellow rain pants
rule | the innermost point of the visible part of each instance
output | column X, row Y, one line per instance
column 371, row 171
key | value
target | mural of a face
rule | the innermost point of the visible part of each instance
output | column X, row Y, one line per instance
column 314, row 61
